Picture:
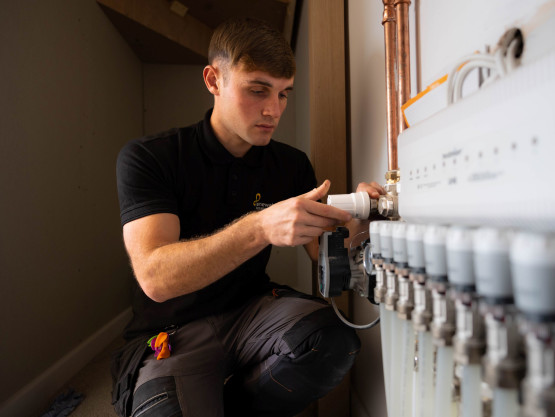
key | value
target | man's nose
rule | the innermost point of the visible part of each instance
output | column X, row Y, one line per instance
column 273, row 107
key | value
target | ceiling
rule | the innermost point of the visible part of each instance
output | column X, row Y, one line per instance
column 178, row 31
column 214, row 12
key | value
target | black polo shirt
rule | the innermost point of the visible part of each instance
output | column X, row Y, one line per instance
column 189, row 173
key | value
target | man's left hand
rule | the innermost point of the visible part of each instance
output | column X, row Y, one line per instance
column 373, row 189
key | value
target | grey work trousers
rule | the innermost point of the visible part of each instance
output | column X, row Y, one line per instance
column 272, row 357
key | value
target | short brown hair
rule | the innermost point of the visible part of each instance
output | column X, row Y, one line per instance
column 254, row 44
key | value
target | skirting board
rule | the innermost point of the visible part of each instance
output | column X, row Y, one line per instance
column 45, row 386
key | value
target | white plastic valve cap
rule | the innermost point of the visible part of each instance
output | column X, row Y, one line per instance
column 357, row 204
column 415, row 232
column 400, row 242
column 415, row 245
column 491, row 262
column 459, row 239
column 435, row 235
column 532, row 258
column 460, row 266
column 386, row 239
column 435, row 253
column 374, row 230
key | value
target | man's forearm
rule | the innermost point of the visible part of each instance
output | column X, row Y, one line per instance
column 187, row 266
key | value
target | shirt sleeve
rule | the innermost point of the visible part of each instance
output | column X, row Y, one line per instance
column 144, row 183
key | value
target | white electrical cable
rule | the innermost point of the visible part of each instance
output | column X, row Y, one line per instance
column 512, row 60
column 457, row 76
column 364, row 232
column 487, row 60
column 502, row 62
column 463, row 72
column 348, row 323
column 493, row 77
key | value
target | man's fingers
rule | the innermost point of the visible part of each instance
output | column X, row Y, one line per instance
column 320, row 221
column 333, row 215
column 319, row 192
column 329, row 212
column 378, row 187
column 373, row 189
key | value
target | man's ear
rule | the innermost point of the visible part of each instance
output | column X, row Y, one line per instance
column 211, row 77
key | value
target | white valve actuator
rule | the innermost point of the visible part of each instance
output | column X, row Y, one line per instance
column 357, row 204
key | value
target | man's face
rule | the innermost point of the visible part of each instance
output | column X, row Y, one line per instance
column 248, row 108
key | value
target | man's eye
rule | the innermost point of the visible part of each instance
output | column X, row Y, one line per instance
column 283, row 96
column 258, row 92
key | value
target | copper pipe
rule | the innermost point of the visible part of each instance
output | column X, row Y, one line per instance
column 388, row 23
column 403, row 55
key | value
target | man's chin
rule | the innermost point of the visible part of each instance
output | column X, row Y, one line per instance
column 261, row 140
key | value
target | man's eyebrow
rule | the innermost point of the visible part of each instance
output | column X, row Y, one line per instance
column 267, row 84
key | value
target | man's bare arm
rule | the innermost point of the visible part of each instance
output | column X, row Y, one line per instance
column 166, row 267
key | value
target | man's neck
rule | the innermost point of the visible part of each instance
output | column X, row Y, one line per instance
column 231, row 142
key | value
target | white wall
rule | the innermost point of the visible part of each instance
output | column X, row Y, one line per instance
column 71, row 93
column 174, row 96
column 448, row 30
column 369, row 163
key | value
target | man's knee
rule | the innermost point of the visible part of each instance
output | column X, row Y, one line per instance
column 157, row 397
column 338, row 341
column 325, row 344
column 320, row 351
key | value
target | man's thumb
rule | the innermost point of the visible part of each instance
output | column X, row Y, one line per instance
column 319, row 192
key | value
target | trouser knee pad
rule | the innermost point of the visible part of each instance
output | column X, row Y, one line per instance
column 329, row 347
column 157, row 397
column 322, row 351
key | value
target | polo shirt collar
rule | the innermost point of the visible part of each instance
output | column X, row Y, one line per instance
column 219, row 154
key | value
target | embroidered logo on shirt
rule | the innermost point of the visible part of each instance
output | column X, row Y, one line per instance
column 257, row 204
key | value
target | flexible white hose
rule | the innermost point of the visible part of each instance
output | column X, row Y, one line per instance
column 444, row 381
column 407, row 367
column 416, row 396
column 471, row 401
column 425, row 374
column 385, row 329
column 396, row 359
column 505, row 403
column 348, row 323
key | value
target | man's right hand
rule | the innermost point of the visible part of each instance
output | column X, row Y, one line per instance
column 298, row 220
